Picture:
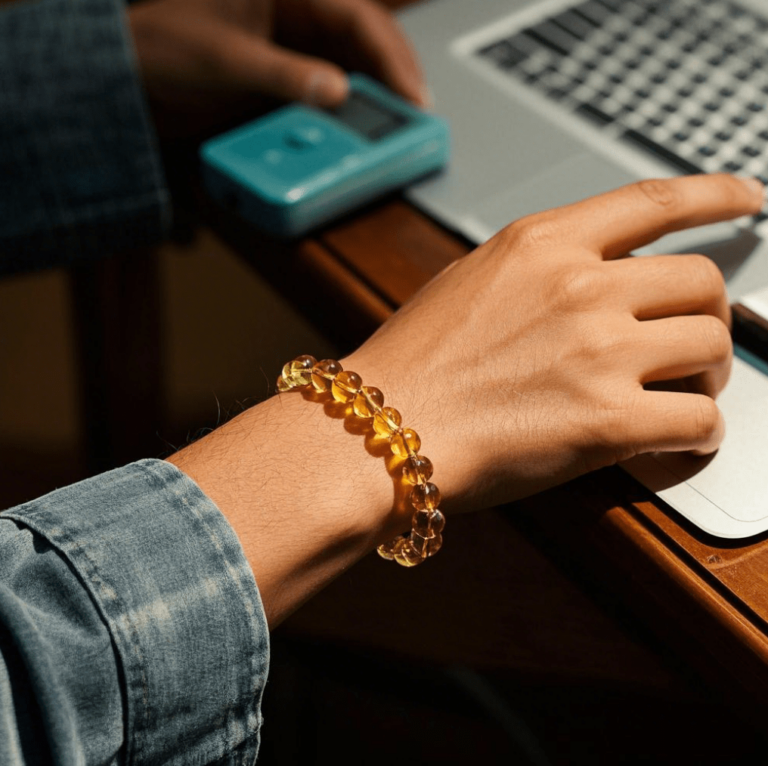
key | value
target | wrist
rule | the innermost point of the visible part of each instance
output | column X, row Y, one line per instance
column 306, row 495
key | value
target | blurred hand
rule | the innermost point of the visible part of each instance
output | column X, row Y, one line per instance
column 204, row 62
column 534, row 359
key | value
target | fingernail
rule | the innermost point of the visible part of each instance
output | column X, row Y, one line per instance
column 754, row 184
column 326, row 89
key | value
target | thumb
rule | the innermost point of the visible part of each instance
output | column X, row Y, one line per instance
column 260, row 65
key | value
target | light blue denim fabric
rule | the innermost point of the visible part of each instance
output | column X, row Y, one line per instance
column 131, row 628
column 80, row 175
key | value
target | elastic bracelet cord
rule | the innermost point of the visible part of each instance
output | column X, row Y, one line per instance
column 367, row 403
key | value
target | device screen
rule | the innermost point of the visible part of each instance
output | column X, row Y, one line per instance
column 366, row 116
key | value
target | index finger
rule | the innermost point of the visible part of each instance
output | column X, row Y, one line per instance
column 615, row 223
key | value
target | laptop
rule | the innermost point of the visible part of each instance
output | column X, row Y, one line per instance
column 551, row 101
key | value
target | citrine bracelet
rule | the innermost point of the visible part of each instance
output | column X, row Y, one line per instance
column 367, row 403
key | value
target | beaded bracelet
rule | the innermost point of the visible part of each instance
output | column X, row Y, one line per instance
column 425, row 537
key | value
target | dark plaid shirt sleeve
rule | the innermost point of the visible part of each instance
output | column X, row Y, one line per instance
column 80, row 175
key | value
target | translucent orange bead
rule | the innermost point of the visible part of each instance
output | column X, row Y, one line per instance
column 425, row 538
column 404, row 442
column 417, row 469
column 386, row 422
column 425, row 547
column 346, row 386
column 387, row 550
column 323, row 373
column 428, row 523
column 425, row 496
column 405, row 554
column 368, row 402
column 299, row 371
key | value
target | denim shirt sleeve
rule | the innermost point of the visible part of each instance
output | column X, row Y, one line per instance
column 80, row 174
column 131, row 628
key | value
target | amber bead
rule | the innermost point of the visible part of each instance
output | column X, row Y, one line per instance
column 299, row 371
column 386, row 422
column 417, row 469
column 368, row 402
column 323, row 374
column 387, row 550
column 425, row 538
column 424, row 546
column 428, row 523
column 404, row 442
column 419, row 544
column 405, row 554
column 425, row 496
column 346, row 386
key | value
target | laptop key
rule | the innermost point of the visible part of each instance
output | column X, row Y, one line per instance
column 613, row 5
column 638, row 139
column 593, row 11
column 504, row 54
column 594, row 114
column 553, row 37
column 574, row 24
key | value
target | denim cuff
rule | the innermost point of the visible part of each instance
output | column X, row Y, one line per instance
column 170, row 581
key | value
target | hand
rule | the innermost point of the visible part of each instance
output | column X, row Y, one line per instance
column 539, row 356
column 204, row 62
column 523, row 365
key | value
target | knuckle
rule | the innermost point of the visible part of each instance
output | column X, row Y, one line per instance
column 706, row 419
column 579, row 285
column 660, row 192
column 716, row 339
column 707, row 273
column 609, row 431
column 531, row 231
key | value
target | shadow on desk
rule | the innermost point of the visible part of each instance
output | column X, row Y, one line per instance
column 489, row 653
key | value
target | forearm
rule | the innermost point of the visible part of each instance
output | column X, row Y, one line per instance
column 306, row 491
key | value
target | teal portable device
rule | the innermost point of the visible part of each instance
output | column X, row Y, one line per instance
column 299, row 167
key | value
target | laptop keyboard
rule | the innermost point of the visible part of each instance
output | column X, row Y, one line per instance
column 684, row 79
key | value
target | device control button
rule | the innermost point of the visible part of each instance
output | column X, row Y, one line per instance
column 272, row 156
column 301, row 139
